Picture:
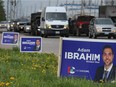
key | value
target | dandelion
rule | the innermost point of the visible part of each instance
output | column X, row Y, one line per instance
column 44, row 71
column 2, row 83
column 12, row 78
column 7, row 83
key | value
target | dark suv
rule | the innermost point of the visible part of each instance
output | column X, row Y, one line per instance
column 81, row 24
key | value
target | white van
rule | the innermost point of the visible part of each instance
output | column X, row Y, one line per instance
column 54, row 22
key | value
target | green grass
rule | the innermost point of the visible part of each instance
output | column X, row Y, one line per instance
column 36, row 70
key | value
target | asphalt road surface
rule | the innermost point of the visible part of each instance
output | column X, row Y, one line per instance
column 49, row 45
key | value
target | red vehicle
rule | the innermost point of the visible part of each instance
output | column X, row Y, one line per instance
column 81, row 25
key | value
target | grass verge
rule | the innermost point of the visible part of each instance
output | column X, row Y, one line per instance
column 36, row 70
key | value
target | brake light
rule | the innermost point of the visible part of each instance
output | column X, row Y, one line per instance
column 80, row 24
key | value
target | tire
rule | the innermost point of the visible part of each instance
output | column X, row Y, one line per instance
column 45, row 34
column 75, row 31
column 109, row 37
column 94, row 36
column 67, row 35
column 114, row 37
column 78, row 33
column 90, row 36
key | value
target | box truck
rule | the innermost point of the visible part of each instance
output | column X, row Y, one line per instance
column 35, row 23
column 108, row 11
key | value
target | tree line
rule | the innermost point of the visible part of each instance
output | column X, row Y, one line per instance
column 2, row 11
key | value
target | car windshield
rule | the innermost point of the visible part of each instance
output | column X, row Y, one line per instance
column 22, row 23
column 113, row 19
column 28, row 24
column 104, row 21
column 3, row 22
column 85, row 18
column 56, row 16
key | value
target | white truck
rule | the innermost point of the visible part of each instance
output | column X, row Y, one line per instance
column 108, row 11
column 54, row 21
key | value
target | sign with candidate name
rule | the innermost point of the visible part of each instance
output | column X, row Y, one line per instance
column 81, row 57
column 30, row 44
column 10, row 38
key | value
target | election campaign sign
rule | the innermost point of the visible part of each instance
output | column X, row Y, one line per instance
column 30, row 44
column 10, row 38
column 81, row 57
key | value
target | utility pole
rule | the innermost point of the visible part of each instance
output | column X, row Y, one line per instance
column 12, row 9
column 66, row 5
column 82, row 7
column 57, row 3
column 90, row 7
column 7, row 13
column 101, row 2
column 49, row 2
column 112, row 2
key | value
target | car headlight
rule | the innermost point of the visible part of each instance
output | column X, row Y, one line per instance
column 114, row 30
column 17, row 23
column 27, row 28
column 48, row 26
column 99, row 29
column 11, row 25
column 65, row 26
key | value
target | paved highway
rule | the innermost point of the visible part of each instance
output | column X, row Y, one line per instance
column 49, row 45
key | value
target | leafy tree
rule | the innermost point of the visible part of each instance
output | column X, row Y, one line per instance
column 2, row 11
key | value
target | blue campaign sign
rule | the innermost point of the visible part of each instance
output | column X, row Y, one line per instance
column 10, row 38
column 82, row 57
column 30, row 44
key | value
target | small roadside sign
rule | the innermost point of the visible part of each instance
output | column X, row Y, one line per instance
column 30, row 44
column 10, row 38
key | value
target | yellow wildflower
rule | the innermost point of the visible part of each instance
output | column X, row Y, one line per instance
column 7, row 83
column 12, row 78
column 2, row 83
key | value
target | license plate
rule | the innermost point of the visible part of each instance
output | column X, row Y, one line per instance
column 57, row 32
column 106, row 32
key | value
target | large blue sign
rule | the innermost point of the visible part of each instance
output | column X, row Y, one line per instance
column 81, row 57
column 30, row 44
column 10, row 38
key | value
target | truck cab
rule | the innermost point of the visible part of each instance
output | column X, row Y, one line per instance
column 81, row 24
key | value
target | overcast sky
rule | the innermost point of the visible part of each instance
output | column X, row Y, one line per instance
column 30, row 6
column 35, row 5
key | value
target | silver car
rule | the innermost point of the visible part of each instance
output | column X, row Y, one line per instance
column 4, row 26
column 27, row 27
column 102, row 27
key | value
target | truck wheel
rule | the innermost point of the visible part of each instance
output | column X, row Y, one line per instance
column 32, row 32
column 67, row 35
column 90, row 36
column 114, row 37
column 78, row 33
column 74, row 31
column 94, row 36
column 45, row 34
column 109, row 37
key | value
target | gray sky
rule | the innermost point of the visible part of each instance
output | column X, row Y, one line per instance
column 30, row 6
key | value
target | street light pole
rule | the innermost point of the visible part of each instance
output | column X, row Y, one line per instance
column 57, row 2
column 49, row 2
column 7, row 13
column 112, row 2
